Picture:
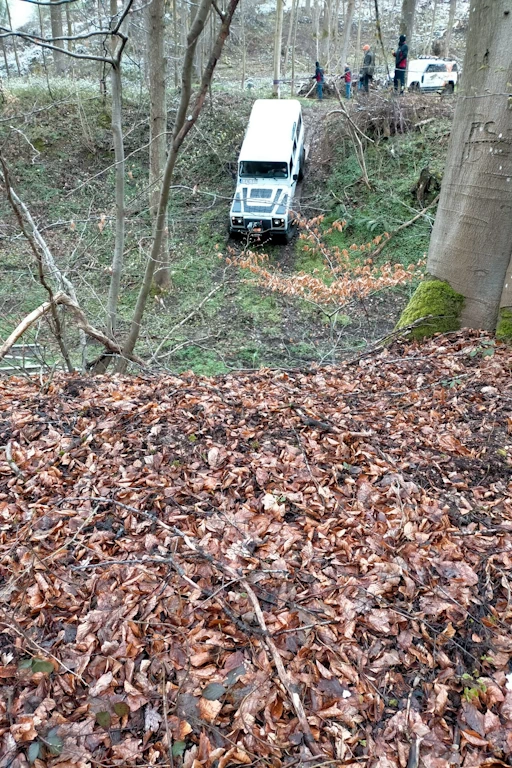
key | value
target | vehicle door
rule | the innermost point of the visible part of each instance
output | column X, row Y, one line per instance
column 434, row 77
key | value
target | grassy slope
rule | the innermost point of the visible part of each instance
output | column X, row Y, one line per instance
column 239, row 326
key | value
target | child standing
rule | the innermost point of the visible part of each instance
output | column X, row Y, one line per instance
column 348, row 81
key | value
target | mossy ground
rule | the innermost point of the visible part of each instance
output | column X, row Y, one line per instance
column 504, row 326
column 438, row 303
column 62, row 169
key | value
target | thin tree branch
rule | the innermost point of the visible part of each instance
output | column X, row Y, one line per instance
column 406, row 224
column 18, row 212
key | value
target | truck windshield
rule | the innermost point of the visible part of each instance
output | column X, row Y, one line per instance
column 265, row 170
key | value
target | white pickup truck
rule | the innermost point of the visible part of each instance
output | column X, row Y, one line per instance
column 429, row 73
column 270, row 164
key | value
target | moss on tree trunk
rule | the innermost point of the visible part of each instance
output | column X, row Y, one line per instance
column 504, row 326
column 439, row 304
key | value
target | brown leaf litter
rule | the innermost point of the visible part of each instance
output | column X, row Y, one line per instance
column 198, row 572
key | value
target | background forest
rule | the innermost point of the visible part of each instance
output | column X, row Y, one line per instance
column 84, row 144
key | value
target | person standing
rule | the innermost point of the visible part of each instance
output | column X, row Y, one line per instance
column 400, row 55
column 348, row 81
column 319, row 77
column 368, row 67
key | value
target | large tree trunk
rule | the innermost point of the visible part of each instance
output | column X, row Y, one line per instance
column 471, row 243
column 449, row 29
column 347, row 28
column 278, row 39
column 157, row 124
column 56, row 22
column 407, row 19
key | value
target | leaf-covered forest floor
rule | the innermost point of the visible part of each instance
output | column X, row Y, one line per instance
column 166, row 541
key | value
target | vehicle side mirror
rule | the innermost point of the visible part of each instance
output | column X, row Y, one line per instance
column 295, row 176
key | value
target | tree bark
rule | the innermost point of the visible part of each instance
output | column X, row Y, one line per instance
column 117, row 260
column 347, row 28
column 278, row 39
column 56, row 22
column 326, row 34
column 181, row 129
column 293, row 12
column 471, row 243
column 15, row 47
column 244, row 46
column 157, row 124
column 69, row 24
column 428, row 46
column 6, row 63
column 407, row 20
column 449, row 28
column 358, row 41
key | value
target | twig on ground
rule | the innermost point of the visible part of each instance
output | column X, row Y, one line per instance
column 11, row 462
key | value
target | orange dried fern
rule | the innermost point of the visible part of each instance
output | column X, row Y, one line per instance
column 344, row 276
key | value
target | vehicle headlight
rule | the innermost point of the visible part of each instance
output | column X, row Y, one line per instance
column 237, row 220
column 278, row 222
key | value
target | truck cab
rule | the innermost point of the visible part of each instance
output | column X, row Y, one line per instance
column 270, row 164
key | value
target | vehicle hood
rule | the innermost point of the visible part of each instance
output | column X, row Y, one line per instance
column 264, row 200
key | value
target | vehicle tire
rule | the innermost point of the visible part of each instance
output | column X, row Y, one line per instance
column 302, row 164
column 289, row 234
column 414, row 87
column 449, row 88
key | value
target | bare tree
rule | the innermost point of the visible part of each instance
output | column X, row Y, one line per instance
column 449, row 28
column 471, row 244
column 407, row 19
column 186, row 118
column 57, row 34
column 347, row 28
column 428, row 44
column 291, row 27
column 278, row 41
column 157, row 123
column 9, row 21
column 118, row 43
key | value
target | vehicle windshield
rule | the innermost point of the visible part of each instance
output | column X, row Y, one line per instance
column 267, row 170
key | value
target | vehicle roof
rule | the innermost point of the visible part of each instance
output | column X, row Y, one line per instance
column 424, row 61
column 269, row 132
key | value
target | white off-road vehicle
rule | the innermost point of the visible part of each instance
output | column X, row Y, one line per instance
column 270, row 164
column 428, row 73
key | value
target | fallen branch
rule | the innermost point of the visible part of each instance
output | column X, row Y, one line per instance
column 403, row 226
column 283, row 674
column 39, row 253
column 80, row 319
column 310, row 422
column 25, row 325
column 267, row 639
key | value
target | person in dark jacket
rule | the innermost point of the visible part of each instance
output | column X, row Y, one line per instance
column 368, row 67
column 319, row 77
column 400, row 55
